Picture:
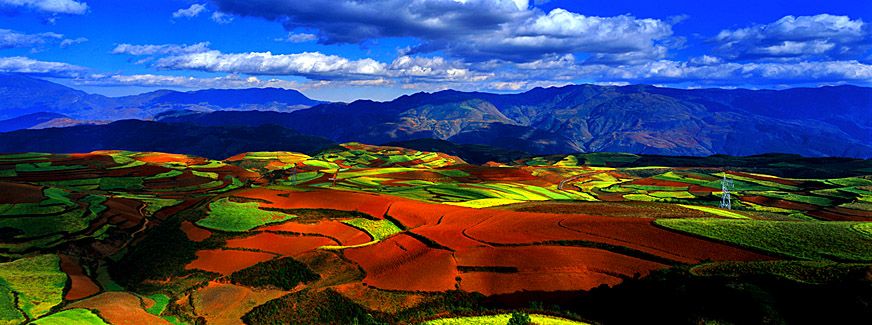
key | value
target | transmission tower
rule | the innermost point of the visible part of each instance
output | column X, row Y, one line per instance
column 726, row 187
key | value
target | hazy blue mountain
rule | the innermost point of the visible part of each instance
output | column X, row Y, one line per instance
column 827, row 121
column 218, row 142
column 21, row 95
column 28, row 121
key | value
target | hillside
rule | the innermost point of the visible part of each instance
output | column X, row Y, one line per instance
column 827, row 121
column 22, row 95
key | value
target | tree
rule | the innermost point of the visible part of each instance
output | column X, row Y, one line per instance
column 519, row 318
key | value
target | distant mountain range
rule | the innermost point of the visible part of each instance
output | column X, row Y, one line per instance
column 23, row 95
column 214, row 142
column 826, row 121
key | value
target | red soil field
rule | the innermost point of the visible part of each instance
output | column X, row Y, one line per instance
column 380, row 300
column 81, row 286
column 345, row 234
column 193, row 232
column 404, row 263
column 852, row 212
column 374, row 205
column 280, row 244
column 835, row 216
column 123, row 212
column 503, row 283
column 764, row 178
column 20, row 193
column 779, row 203
column 119, row 308
column 414, row 214
column 226, row 261
column 224, row 303
column 657, row 182
column 636, row 233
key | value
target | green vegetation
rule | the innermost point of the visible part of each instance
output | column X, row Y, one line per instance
column 311, row 307
column 377, row 229
column 231, row 216
column 285, row 273
column 9, row 312
column 715, row 211
column 121, row 183
column 37, row 281
column 811, row 240
column 71, row 317
column 171, row 173
column 44, row 167
column 160, row 304
column 803, row 271
column 502, row 319
column 815, row 200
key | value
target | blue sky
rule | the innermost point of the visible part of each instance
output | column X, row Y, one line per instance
column 341, row 50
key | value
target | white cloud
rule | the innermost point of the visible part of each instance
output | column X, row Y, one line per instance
column 152, row 80
column 191, row 11
column 160, row 49
column 310, row 64
column 12, row 39
column 18, row 64
column 67, row 42
column 472, row 30
column 793, row 38
column 764, row 74
column 221, row 18
column 298, row 38
column 51, row 6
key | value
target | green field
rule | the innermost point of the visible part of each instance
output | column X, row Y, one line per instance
column 38, row 282
column 804, row 271
column 232, row 216
column 501, row 319
column 377, row 229
column 810, row 240
column 71, row 317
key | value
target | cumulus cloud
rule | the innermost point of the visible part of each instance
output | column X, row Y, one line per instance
column 221, row 18
column 474, row 30
column 189, row 12
column 731, row 73
column 310, row 64
column 160, row 49
column 793, row 38
column 18, row 64
column 12, row 39
column 152, row 80
column 67, row 42
column 50, row 6
column 298, row 38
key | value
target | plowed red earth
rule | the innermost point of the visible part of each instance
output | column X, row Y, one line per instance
column 779, row 203
column 547, row 268
column 123, row 212
column 657, row 182
column 765, row 178
column 81, row 286
column 835, row 216
column 226, row 261
column 119, row 308
column 638, row 233
column 404, row 263
column 345, row 234
column 374, row 205
column 224, row 303
column 20, row 193
column 281, row 244
column 193, row 232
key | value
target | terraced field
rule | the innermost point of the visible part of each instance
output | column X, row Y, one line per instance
column 369, row 234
